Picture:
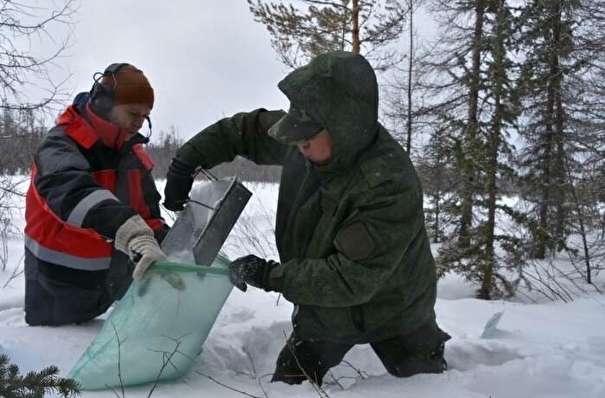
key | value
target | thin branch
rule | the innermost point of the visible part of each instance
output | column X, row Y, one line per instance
column 226, row 386
column 313, row 382
column 119, row 358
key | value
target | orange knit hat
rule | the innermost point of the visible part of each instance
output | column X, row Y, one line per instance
column 129, row 86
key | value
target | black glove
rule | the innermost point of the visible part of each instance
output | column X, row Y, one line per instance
column 251, row 270
column 179, row 180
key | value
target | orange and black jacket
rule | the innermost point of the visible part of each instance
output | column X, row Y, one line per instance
column 87, row 179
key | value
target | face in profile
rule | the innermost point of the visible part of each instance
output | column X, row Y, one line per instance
column 129, row 116
column 318, row 149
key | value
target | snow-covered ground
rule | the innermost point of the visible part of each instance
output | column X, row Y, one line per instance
column 545, row 349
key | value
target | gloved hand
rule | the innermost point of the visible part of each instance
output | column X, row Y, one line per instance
column 179, row 181
column 251, row 270
column 136, row 239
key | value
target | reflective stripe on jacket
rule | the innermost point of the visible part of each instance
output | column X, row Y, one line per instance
column 82, row 190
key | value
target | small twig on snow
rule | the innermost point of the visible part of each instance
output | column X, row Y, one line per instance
column 226, row 386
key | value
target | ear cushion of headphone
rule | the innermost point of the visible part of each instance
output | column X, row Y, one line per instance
column 101, row 99
column 102, row 96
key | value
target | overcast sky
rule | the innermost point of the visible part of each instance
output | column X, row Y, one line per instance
column 204, row 59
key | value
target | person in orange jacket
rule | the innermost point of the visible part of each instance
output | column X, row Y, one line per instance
column 92, row 205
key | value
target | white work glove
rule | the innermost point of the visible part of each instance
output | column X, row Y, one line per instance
column 134, row 238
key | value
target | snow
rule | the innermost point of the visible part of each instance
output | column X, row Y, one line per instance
column 539, row 349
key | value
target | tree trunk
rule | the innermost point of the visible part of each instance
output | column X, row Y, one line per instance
column 548, row 183
column 498, row 75
column 408, row 145
column 559, row 161
column 472, row 128
column 355, row 27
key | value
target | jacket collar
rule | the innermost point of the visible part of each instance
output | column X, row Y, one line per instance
column 84, row 126
column 110, row 134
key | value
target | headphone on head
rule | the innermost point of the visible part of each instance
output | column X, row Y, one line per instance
column 102, row 95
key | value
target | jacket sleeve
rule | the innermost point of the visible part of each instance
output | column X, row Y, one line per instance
column 369, row 247
column 243, row 134
column 64, row 181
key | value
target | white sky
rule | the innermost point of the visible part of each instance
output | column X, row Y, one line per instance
column 204, row 59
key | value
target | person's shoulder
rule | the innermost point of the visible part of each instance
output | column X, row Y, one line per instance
column 389, row 174
column 56, row 133
column 383, row 162
column 375, row 171
column 55, row 138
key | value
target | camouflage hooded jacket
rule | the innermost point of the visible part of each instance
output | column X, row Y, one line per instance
column 355, row 257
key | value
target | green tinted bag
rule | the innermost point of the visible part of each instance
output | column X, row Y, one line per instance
column 156, row 331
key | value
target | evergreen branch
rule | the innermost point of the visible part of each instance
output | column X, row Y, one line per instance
column 33, row 384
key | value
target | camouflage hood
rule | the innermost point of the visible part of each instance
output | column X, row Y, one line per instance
column 340, row 91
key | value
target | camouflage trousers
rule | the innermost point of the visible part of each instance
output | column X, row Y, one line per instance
column 419, row 352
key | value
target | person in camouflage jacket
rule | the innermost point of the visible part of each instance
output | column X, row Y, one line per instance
column 355, row 257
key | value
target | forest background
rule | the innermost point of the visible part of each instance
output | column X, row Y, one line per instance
column 502, row 112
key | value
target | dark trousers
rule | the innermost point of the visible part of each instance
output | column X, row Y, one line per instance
column 57, row 295
column 419, row 352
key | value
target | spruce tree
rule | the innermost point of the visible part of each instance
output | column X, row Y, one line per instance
column 547, row 44
column 33, row 384
column 474, row 112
